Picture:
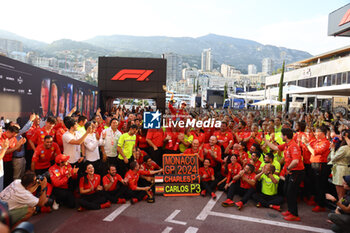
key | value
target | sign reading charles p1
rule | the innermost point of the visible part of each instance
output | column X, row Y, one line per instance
column 151, row 120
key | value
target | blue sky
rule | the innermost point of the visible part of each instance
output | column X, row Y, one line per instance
column 294, row 24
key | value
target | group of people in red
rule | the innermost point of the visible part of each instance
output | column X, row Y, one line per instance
column 112, row 158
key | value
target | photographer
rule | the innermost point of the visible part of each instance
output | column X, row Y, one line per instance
column 20, row 199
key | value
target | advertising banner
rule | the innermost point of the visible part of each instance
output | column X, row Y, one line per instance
column 25, row 89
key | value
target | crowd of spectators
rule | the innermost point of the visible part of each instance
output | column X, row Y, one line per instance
column 90, row 163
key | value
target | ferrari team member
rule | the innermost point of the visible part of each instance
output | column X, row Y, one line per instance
column 132, row 177
column 61, row 175
column 114, row 186
column 44, row 155
column 294, row 170
column 207, row 179
column 92, row 197
column 245, row 187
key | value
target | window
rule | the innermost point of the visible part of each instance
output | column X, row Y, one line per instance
column 338, row 80
column 321, row 81
column 333, row 78
column 313, row 82
column 328, row 80
column 344, row 77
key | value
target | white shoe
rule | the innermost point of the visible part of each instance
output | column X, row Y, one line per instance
column 55, row 205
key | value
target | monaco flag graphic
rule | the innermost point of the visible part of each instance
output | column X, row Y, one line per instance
column 139, row 75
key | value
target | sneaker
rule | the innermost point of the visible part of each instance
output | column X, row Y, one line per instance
column 55, row 206
column 45, row 209
column 227, row 203
column 81, row 209
column 258, row 205
column 291, row 217
column 121, row 201
column 105, row 205
column 286, row 213
column 310, row 202
column 150, row 200
column 213, row 196
column 134, row 200
column 239, row 205
column 276, row 207
column 319, row 209
column 203, row 193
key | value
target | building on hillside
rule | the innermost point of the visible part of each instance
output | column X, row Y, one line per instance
column 252, row 69
column 207, row 60
column 267, row 66
column 174, row 67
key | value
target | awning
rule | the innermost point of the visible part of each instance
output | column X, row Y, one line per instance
column 335, row 90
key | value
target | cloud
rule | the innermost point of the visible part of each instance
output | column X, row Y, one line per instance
column 309, row 35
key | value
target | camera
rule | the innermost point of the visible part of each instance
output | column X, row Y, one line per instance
column 5, row 218
column 41, row 177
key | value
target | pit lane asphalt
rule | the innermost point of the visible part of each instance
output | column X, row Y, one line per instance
column 179, row 214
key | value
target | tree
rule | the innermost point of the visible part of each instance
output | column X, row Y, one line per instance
column 280, row 90
column 197, row 86
column 194, row 85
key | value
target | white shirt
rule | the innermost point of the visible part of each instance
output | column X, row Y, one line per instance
column 69, row 149
column 17, row 196
column 111, row 141
column 91, row 145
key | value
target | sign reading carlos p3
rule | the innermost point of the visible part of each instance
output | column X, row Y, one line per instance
column 180, row 177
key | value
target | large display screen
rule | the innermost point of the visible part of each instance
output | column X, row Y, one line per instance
column 125, row 77
column 25, row 89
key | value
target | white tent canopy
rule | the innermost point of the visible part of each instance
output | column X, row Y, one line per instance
column 267, row 102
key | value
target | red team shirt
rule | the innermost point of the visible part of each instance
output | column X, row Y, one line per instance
column 96, row 181
column 321, row 148
column 216, row 149
column 43, row 157
column 133, row 178
column 156, row 136
column 107, row 180
column 12, row 144
column 224, row 138
column 233, row 170
column 59, row 175
column 207, row 172
column 39, row 135
column 291, row 152
column 245, row 184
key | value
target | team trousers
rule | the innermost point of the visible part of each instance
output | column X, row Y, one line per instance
column 291, row 188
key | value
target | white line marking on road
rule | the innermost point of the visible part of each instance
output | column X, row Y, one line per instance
column 115, row 213
column 172, row 216
column 211, row 203
column 269, row 222
column 167, row 230
column 191, row 230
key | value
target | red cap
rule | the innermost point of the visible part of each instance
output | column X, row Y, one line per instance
column 61, row 158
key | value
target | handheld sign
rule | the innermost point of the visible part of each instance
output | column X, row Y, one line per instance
column 180, row 176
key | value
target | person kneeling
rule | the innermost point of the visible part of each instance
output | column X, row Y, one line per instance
column 132, row 177
column 245, row 188
column 20, row 199
column 207, row 179
column 92, row 197
column 61, row 175
column 268, row 197
column 114, row 186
